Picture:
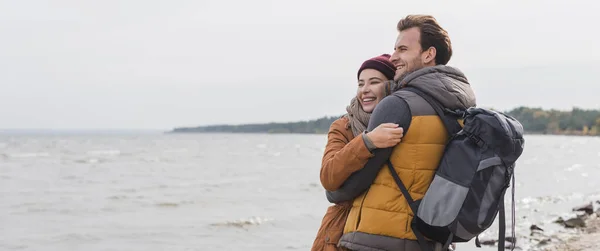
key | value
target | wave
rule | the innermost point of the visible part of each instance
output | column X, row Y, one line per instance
column 167, row 204
column 104, row 152
column 261, row 146
column 253, row 221
column 89, row 161
column 76, row 237
column 176, row 150
column 574, row 167
column 27, row 155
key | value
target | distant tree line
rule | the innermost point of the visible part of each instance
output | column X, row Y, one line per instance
column 535, row 120
column 575, row 122
column 320, row 125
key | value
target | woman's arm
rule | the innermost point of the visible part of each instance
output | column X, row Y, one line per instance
column 391, row 109
column 343, row 155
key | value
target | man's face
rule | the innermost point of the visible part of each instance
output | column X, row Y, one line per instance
column 408, row 55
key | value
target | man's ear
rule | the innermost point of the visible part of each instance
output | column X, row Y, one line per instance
column 428, row 56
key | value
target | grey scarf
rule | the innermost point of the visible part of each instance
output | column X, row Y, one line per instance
column 359, row 119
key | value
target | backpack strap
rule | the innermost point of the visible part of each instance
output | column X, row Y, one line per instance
column 513, row 214
column 413, row 206
column 452, row 127
column 411, row 202
column 501, row 226
column 450, row 122
column 502, row 219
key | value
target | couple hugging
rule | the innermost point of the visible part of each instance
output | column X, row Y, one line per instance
column 385, row 122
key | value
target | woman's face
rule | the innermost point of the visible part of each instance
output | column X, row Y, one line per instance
column 371, row 89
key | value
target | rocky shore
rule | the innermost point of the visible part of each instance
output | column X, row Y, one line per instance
column 585, row 234
column 578, row 232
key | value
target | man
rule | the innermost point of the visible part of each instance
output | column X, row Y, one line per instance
column 380, row 216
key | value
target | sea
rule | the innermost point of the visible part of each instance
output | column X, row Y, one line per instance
column 160, row 191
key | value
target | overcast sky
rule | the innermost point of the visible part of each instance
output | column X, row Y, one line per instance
column 156, row 65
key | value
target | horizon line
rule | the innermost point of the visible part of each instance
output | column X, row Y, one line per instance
column 167, row 130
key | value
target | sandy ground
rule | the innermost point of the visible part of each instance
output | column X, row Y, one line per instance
column 578, row 232
column 587, row 239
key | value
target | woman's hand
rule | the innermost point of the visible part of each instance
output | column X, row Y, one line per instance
column 386, row 135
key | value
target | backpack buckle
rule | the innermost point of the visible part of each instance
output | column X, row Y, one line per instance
column 478, row 141
column 458, row 112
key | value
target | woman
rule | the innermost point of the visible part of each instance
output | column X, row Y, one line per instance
column 349, row 148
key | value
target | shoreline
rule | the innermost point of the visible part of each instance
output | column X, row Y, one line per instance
column 584, row 237
column 579, row 230
column 324, row 133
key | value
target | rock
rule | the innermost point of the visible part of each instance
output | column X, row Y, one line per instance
column 577, row 222
column 535, row 227
column 535, row 230
column 509, row 242
column 587, row 208
column 560, row 220
column 511, row 239
column 488, row 242
column 544, row 242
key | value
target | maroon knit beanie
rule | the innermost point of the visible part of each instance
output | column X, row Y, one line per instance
column 380, row 63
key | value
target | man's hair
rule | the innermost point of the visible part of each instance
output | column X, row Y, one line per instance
column 432, row 34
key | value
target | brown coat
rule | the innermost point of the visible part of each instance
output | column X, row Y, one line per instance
column 344, row 154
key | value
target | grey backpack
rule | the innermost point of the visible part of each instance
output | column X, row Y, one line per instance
column 467, row 191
